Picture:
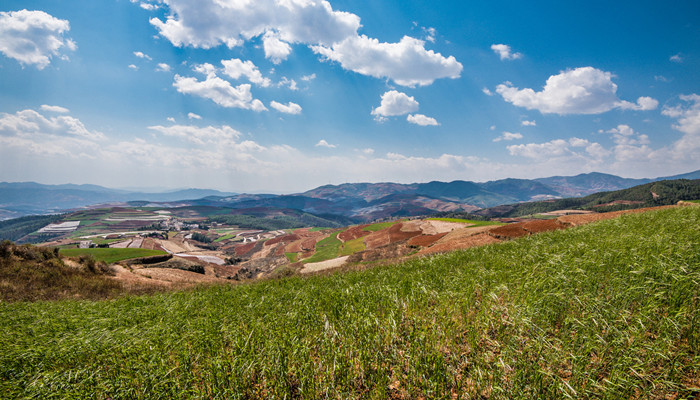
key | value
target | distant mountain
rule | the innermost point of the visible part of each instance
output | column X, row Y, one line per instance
column 26, row 198
column 357, row 201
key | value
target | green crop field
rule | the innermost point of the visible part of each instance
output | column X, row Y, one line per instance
column 379, row 226
column 609, row 310
column 326, row 249
column 352, row 246
column 110, row 255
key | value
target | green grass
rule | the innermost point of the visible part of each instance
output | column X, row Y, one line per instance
column 292, row 257
column 111, row 255
column 379, row 226
column 225, row 237
column 607, row 311
column 352, row 246
column 694, row 201
column 326, row 249
column 467, row 221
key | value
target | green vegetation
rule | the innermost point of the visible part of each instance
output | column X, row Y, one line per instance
column 273, row 223
column 15, row 229
column 379, row 226
column 292, row 257
column 326, row 249
column 110, row 255
column 608, row 310
column 648, row 195
column 30, row 273
column 200, row 237
column 467, row 221
column 694, row 201
column 227, row 236
column 352, row 246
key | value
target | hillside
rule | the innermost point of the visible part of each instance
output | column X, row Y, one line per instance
column 646, row 195
column 606, row 310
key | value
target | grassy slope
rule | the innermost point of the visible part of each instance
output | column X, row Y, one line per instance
column 110, row 255
column 467, row 221
column 607, row 310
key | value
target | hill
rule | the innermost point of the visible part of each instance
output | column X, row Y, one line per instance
column 350, row 200
column 606, row 310
column 647, row 195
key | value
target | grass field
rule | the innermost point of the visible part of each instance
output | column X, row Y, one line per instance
column 609, row 310
column 111, row 255
column 326, row 249
column 467, row 221
column 292, row 257
column 352, row 246
column 379, row 226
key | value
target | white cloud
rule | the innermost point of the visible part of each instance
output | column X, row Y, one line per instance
column 430, row 34
column 661, row 78
column 333, row 34
column 368, row 151
column 275, row 49
column 688, row 122
column 629, row 145
column 407, row 62
column 290, row 83
column 323, row 143
column 219, row 91
column 504, row 51
column 676, row 58
column 132, row 66
column 395, row 103
column 142, row 55
column 578, row 91
column 528, row 123
column 422, row 120
column 148, row 6
column 289, row 108
column 197, row 135
column 556, row 148
column 643, row 104
column 193, row 116
column 486, row 91
column 235, row 68
column 56, row 109
column 307, row 78
column 163, row 67
column 171, row 119
column 33, row 37
column 508, row 136
column 28, row 124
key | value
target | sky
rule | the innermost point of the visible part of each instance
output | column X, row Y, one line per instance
column 283, row 96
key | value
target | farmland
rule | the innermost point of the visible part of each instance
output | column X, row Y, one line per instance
column 110, row 256
column 604, row 310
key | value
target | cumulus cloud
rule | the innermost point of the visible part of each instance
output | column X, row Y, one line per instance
column 308, row 78
column 487, row 92
column 140, row 54
column 407, row 62
column 557, row 148
column 528, row 123
column 687, row 115
column 330, row 33
column 163, row 67
column 218, row 90
column 33, row 37
column 29, row 123
column 504, row 52
column 289, row 108
column 629, row 145
column 275, row 49
column 395, row 103
column 235, row 68
column 56, row 109
column 193, row 116
column 508, row 136
column 323, row 143
column 584, row 90
column 422, row 120
column 676, row 58
column 290, row 83
column 134, row 67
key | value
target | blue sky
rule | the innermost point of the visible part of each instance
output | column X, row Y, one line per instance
column 287, row 95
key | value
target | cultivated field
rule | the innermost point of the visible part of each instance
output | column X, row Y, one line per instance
column 606, row 310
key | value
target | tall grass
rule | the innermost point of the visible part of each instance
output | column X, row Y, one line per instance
column 608, row 310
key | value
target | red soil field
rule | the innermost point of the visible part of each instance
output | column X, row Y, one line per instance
column 353, row 233
column 425, row 240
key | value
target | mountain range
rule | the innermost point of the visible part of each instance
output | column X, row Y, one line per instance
column 354, row 201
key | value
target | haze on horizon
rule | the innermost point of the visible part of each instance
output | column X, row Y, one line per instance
column 288, row 95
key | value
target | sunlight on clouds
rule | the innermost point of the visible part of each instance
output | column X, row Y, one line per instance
column 33, row 37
